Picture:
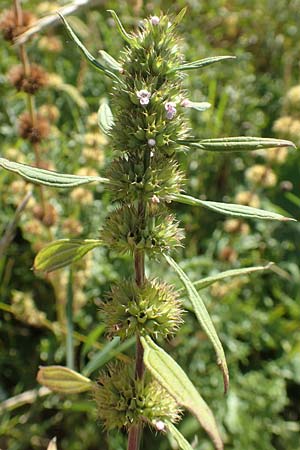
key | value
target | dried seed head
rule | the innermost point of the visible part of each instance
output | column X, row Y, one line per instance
column 9, row 26
column 153, row 309
column 72, row 227
column 51, row 112
column 33, row 132
column 50, row 44
column 36, row 79
column 123, row 401
column 82, row 196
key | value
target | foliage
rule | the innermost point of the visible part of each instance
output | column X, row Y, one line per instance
column 256, row 316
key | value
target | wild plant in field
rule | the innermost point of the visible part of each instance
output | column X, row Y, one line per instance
column 147, row 127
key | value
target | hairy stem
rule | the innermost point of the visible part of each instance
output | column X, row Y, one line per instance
column 135, row 432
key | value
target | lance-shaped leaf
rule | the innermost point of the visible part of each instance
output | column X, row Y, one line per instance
column 110, row 61
column 198, row 106
column 236, row 144
column 179, row 17
column 203, row 318
column 63, row 380
column 129, row 39
column 86, row 53
column 48, row 177
column 171, row 376
column 207, row 281
column 105, row 117
column 182, row 443
column 62, row 253
column 230, row 209
column 202, row 63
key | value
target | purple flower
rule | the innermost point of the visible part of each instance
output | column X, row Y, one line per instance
column 151, row 142
column 170, row 108
column 143, row 96
column 160, row 426
column 154, row 20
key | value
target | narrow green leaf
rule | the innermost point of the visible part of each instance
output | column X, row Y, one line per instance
column 207, row 281
column 129, row 39
column 236, row 144
column 63, row 380
column 198, row 106
column 73, row 93
column 109, row 351
column 69, row 322
column 48, row 177
column 110, row 61
column 202, row 63
column 105, row 117
column 171, row 376
column 230, row 209
column 179, row 16
column 203, row 318
column 62, row 253
column 182, row 443
column 86, row 53
column 100, row 358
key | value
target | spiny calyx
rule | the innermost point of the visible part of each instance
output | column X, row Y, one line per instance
column 152, row 309
column 123, row 401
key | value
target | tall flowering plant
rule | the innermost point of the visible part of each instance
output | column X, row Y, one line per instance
column 147, row 126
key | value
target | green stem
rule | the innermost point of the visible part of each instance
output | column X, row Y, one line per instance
column 135, row 432
column 69, row 316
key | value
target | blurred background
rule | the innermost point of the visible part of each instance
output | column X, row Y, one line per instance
column 257, row 316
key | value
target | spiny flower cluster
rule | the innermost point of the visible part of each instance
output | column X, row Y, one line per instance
column 152, row 309
column 154, row 230
column 123, row 401
column 148, row 121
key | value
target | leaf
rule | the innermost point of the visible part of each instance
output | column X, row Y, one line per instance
column 207, row 281
column 109, row 351
column 202, row 63
column 171, row 376
column 236, row 144
column 199, row 106
column 63, row 380
column 86, row 53
column 62, row 253
column 231, row 209
column 179, row 17
column 129, row 39
column 48, row 177
column 73, row 93
column 182, row 443
column 105, row 118
column 110, row 61
column 203, row 318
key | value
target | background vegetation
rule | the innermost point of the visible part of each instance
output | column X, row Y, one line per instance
column 257, row 317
